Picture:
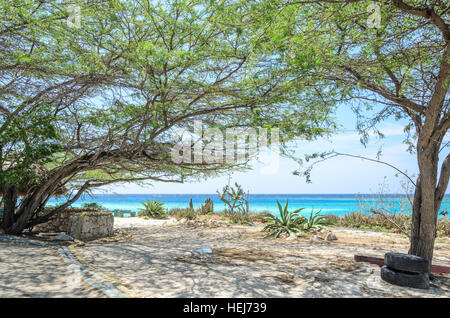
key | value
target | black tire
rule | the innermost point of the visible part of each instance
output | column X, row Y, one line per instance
column 413, row 280
column 407, row 263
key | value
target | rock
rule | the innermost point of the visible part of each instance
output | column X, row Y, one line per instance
column 291, row 238
column 63, row 237
column 92, row 225
column 331, row 237
column 316, row 238
column 299, row 234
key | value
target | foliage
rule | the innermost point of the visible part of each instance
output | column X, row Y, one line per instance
column 384, row 211
column 398, row 70
column 100, row 104
column 393, row 209
column 208, row 207
column 288, row 222
column 153, row 209
column 94, row 205
column 360, row 220
column 260, row 217
column 236, row 200
column 188, row 214
column 315, row 220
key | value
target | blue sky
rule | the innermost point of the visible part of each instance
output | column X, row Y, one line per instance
column 337, row 175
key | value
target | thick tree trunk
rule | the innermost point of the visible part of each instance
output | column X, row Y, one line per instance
column 24, row 216
column 10, row 200
column 427, row 201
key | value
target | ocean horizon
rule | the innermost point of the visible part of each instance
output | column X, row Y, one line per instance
column 337, row 204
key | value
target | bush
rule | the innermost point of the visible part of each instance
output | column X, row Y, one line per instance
column 289, row 222
column 92, row 205
column 208, row 207
column 189, row 214
column 378, row 222
column 260, row 216
column 316, row 221
column 153, row 209
column 236, row 200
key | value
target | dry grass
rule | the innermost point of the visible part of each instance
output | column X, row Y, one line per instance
column 377, row 222
column 236, row 218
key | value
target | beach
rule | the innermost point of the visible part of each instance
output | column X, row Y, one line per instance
column 160, row 258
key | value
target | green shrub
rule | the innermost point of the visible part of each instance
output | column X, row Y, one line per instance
column 236, row 200
column 153, row 209
column 289, row 222
column 379, row 222
column 259, row 216
column 189, row 214
column 92, row 205
column 208, row 207
column 316, row 221
column 239, row 217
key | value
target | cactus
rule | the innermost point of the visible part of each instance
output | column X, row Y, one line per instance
column 208, row 207
column 191, row 204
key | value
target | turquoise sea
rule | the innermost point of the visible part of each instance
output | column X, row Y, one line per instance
column 328, row 203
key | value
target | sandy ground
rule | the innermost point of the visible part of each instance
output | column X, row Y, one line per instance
column 35, row 271
column 160, row 260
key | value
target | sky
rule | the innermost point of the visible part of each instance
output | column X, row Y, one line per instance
column 339, row 175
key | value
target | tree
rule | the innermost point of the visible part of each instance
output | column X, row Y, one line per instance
column 398, row 69
column 98, row 104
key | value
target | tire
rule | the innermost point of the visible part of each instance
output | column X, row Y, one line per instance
column 407, row 263
column 413, row 280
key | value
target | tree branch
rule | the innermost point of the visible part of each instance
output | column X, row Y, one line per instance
column 377, row 161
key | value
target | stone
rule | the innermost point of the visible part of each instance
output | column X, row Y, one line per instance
column 92, row 225
column 58, row 223
column 291, row 238
column 63, row 237
column 299, row 234
column 316, row 238
column 331, row 237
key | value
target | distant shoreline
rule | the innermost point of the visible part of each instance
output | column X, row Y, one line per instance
column 337, row 204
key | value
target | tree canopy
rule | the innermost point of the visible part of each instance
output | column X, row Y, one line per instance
column 98, row 104
column 392, row 66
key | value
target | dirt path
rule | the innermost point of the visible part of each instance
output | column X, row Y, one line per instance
column 37, row 271
column 160, row 261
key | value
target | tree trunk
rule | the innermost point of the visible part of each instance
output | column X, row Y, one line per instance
column 10, row 200
column 427, row 201
column 19, row 218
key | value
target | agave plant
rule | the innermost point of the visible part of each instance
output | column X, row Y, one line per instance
column 315, row 220
column 288, row 222
column 153, row 209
